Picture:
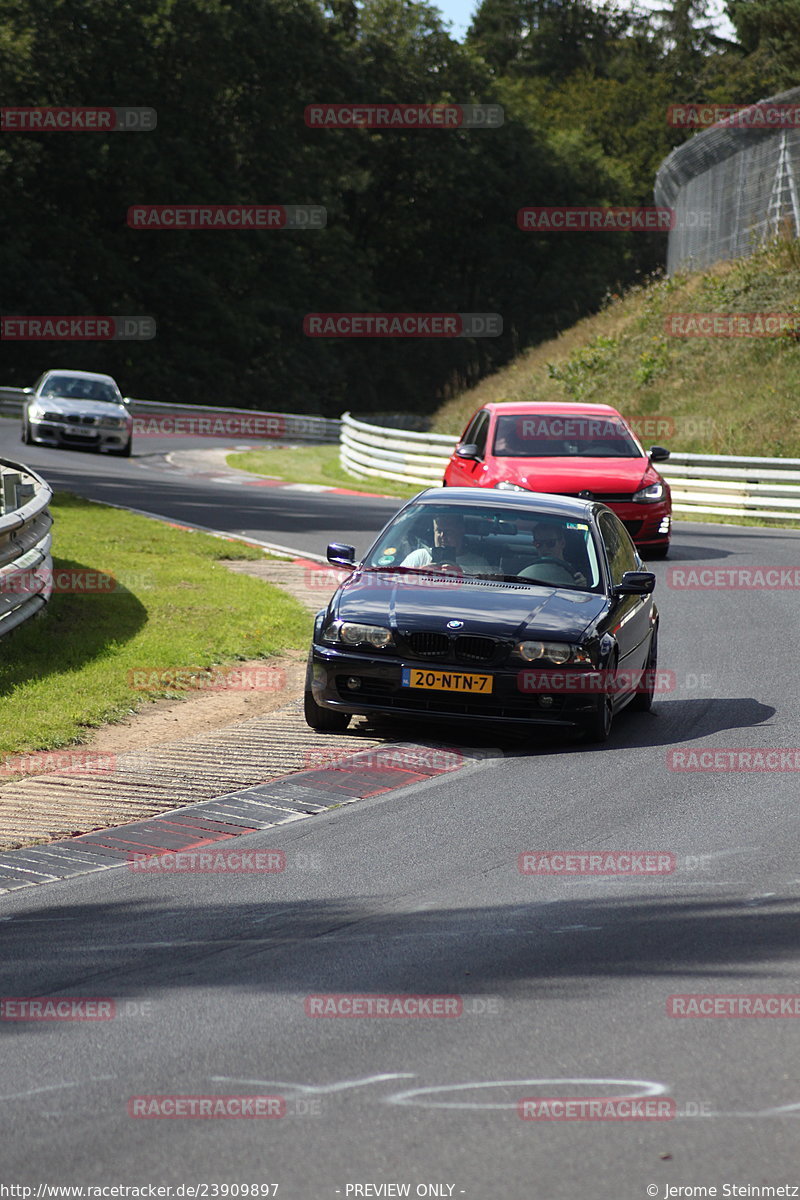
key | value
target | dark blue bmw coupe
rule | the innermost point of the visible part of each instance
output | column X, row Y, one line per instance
column 473, row 605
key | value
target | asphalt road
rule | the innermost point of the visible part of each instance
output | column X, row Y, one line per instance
column 147, row 481
column 563, row 980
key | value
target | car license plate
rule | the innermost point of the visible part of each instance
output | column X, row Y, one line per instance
column 446, row 681
column 73, row 432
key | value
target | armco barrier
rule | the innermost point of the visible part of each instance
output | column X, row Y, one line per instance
column 374, row 451
column 290, row 426
column 700, row 483
column 25, row 543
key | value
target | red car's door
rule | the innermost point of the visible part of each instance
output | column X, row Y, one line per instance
column 465, row 472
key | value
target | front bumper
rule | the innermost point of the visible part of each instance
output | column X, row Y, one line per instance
column 63, row 434
column 381, row 692
column 648, row 524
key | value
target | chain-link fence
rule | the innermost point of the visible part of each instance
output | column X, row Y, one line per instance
column 735, row 185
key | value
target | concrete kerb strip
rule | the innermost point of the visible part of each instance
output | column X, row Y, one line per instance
column 294, row 798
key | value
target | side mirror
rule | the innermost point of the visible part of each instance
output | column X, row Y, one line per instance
column 635, row 583
column 658, row 454
column 26, row 391
column 341, row 555
column 127, row 401
column 469, row 451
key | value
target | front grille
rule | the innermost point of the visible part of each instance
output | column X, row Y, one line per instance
column 605, row 497
column 476, row 649
column 77, row 419
column 429, row 645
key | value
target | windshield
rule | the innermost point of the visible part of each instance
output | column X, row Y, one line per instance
column 547, row 435
column 72, row 388
column 503, row 543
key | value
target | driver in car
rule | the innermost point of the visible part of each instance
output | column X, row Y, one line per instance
column 552, row 565
column 451, row 551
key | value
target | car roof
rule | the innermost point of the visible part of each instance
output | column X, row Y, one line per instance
column 528, row 408
column 533, row 502
column 81, row 375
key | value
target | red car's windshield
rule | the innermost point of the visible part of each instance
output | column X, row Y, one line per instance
column 549, row 435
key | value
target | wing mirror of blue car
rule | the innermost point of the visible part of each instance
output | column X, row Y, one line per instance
column 341, row 555
column 468, row 450
column 635, row 583
column 658, row 454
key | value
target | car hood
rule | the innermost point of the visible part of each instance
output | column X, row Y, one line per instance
column 497, row 610
column 599, row 475
column 86, row 408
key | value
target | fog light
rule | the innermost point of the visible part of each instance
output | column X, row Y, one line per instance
column 664, row 526
column 354, row 682
column 545, row 701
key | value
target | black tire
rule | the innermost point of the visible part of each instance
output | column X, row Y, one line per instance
column 651, row 552
column 597, row 728
column 323, row 720
column 26, row 434
column 125, row 452
column 643, row 701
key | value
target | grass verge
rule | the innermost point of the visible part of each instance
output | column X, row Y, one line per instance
column 717, row 395
column 314, row 464
column 66, row 671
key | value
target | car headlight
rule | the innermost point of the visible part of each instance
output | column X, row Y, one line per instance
column 557, row 653
column 506, row 486
column 649, row 495
column 349, row 633
column 115, row 422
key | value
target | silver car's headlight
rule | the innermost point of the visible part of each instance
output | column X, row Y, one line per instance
column 350, row 633
column 650, row 494
column 505, row 485
column 557, row 653
column 115, row 422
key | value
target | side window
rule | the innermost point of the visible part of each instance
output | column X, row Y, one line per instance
column 619, row 547
column 480, row 433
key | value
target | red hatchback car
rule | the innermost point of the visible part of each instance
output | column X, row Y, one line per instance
column 584, row 450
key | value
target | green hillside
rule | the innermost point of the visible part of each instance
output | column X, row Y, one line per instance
column 720, row 395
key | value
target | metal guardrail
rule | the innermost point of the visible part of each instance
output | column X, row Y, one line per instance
column 374, row 451
column 26, row 566
column 153, row 417
column 724, row 485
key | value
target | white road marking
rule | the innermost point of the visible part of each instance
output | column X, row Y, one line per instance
column 645, row 1088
